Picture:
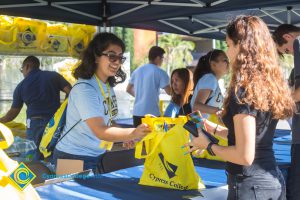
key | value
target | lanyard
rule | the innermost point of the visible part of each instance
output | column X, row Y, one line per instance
column 108, row 98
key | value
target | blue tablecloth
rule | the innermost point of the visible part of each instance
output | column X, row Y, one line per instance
column 125, row 123
column 123, row 184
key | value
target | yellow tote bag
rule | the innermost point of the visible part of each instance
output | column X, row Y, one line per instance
column 222, row 142
column 56, row 41
column 7, row 166
column 166, row 165
column 31, row 34
column 80, row 36
column 8, row 34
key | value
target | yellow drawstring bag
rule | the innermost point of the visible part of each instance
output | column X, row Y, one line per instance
column 31, row 34
column 166, row 163
column 56, row 41
column 79, row 38
column 8, row 189
column 8, row 34
column 222, row 141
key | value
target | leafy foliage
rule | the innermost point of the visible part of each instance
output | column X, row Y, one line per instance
column 126, row 34
column 178, row 52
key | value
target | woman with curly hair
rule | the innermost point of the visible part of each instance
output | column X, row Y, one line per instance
column 258, row 97
column 181, row 93
column 92, row 104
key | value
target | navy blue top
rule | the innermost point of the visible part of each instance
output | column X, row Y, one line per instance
column 40, row 91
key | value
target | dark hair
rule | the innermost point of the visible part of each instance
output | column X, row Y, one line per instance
column 203, row 66
column 186, row 76
column 32, row 61
column 154, row 52
column 100, row 43
column 281, row 30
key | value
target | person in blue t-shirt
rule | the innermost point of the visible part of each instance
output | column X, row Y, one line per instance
column 207, row 96
column 93, row 105
column 40, row 91
column 181, row 92
column 145, row 83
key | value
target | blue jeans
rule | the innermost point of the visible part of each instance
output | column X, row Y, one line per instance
column 89, row 162
column 293, row 183
column 266, row 186
column 35, row 133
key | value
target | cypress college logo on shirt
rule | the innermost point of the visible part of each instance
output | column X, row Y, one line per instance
column 114, row 106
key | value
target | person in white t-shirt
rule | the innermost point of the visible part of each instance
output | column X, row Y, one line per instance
column 145, row 83
column 207, row 96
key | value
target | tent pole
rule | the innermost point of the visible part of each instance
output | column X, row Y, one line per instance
column 104, row 17
column 289, row 16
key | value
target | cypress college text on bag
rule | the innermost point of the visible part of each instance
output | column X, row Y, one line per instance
column 166, row 164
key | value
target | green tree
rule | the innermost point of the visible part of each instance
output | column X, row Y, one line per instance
column 221, row 44
column 126, row 34
column 178, row 52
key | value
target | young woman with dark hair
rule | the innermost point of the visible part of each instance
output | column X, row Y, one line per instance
column 92, row 104
column 258, row 96
column 207, row 95
column 181, row 93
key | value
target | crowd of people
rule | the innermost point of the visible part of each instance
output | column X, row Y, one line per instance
column 257, row 97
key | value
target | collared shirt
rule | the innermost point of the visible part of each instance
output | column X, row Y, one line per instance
column 40, row 91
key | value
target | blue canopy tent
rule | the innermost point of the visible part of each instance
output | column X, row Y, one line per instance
column 213, row 25
column 205, row 18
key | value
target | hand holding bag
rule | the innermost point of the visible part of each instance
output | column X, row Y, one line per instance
column 166, row 163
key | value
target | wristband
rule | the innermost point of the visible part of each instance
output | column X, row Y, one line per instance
column 209, row 150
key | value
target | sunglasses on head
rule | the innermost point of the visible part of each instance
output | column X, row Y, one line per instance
column 113, row 57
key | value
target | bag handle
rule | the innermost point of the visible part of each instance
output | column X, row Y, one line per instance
column 5, row 161
column 159, row 135
column 8, row 137
column 146, row 141
column 14, row 30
